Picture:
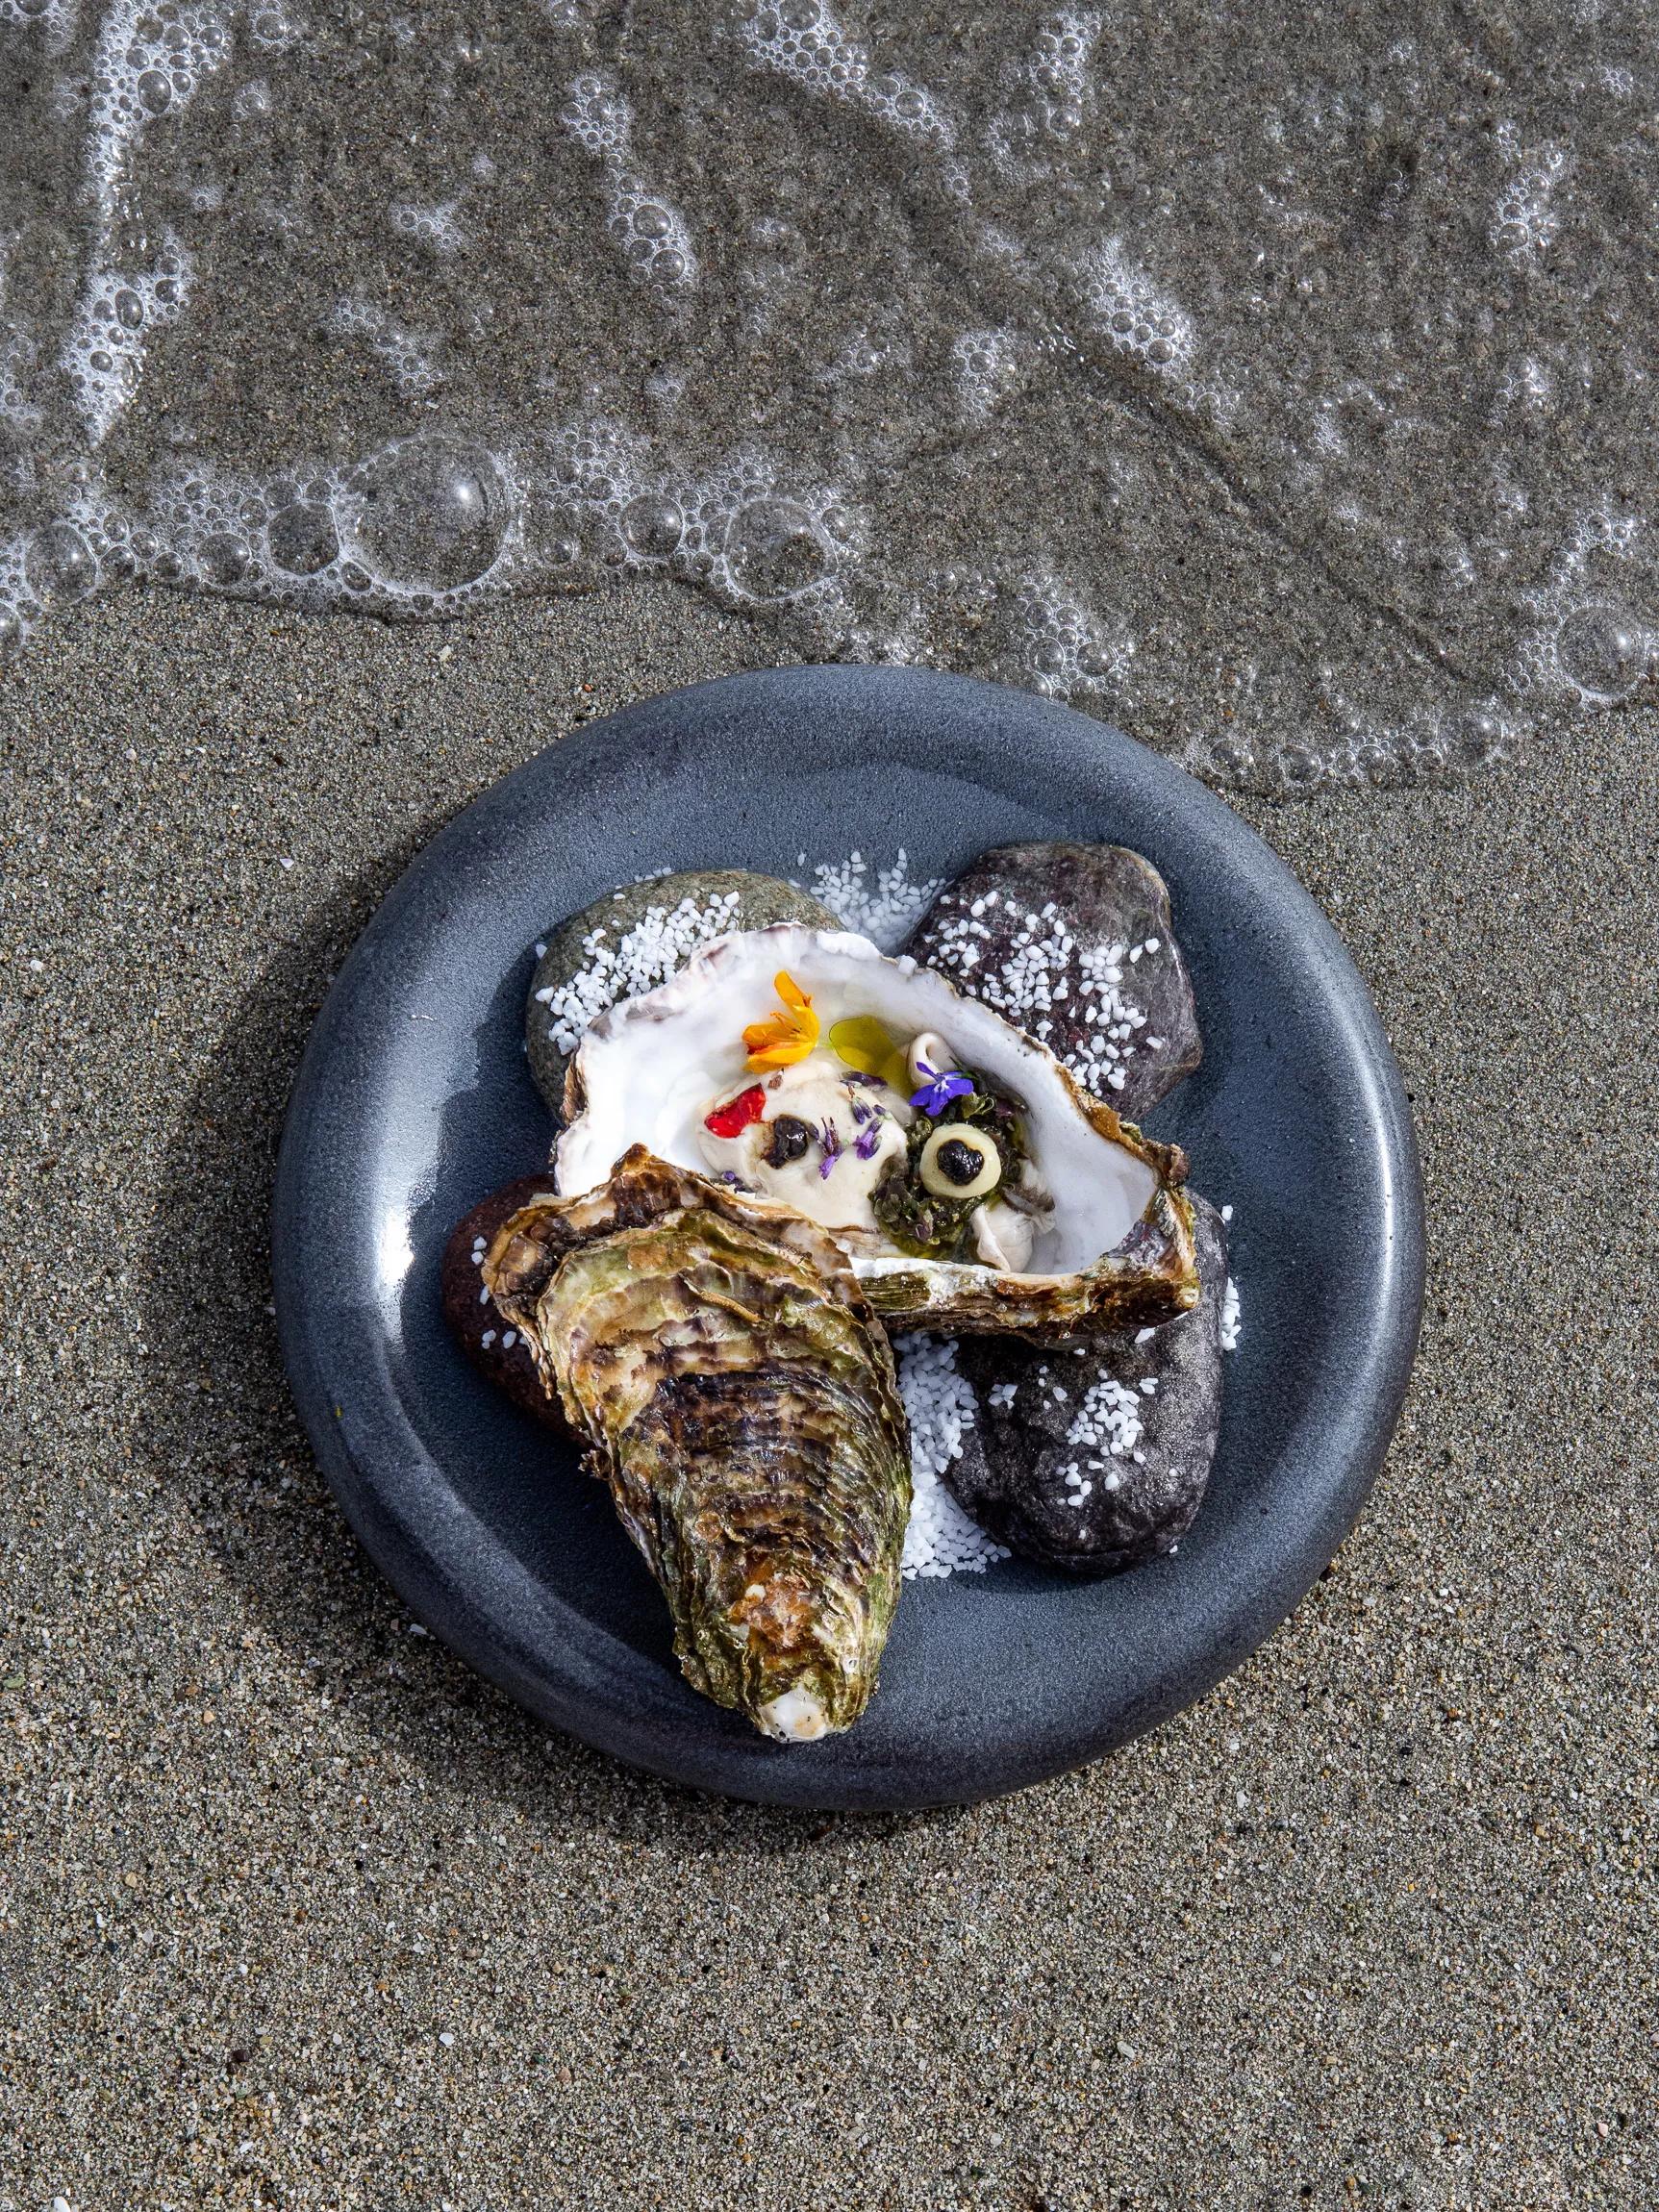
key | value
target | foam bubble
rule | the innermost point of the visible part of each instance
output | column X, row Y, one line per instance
column 105, row 351
column 428, row 512
column 148, row 63
column 1603, row 650
column 654, row 524
column 1589, row 642
column 805, row 42
column 434, row 224
column 302, row 537
column 224, row 557
column 650, row 232
column 58, row 565
column 1063, row 646
column 409, row 356
column 1131, row 314
column 775, row 549
column 987, row 366
column 55, row 18
column 1526, row 219
column 1051, row 92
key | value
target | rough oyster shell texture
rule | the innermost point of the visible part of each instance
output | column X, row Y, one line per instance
column 722, row 1364
column 1032, row 930
column 692, row 908
column 1049, row 1423
column 1120, row 1253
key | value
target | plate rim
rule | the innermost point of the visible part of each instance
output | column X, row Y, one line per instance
column 587, row 755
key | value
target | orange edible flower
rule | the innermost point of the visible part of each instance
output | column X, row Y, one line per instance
column 787, row 1036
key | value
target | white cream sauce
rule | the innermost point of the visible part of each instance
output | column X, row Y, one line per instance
column 830, row 1183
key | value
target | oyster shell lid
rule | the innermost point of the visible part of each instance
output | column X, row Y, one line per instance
column 1118, row 1241
column 527, row 1248
column 728, row 1375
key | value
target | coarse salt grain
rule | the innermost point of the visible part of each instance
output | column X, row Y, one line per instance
column 1047, row 974
column 1232, row 1325
column 1109, row 1418
column 939, row 1539
column 657, row 947
column 883, row 910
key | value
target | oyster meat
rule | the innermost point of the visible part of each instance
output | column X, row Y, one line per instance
column 634, row 937
column 1074, row 944
column 719, row 1358
column 973, row 1183
column 1095, row 1457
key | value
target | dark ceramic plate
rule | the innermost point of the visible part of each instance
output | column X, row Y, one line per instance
column 413, row 1102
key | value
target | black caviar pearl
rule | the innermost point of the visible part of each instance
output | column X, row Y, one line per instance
column 790, row 1141
column 959, row 1161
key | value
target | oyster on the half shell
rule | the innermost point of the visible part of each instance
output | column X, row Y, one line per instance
column 735, row 1390
column 994, row 1196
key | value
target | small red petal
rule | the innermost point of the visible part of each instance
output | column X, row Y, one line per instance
column 732, row 1119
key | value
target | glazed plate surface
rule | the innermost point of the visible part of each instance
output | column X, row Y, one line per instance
column 414, row 1100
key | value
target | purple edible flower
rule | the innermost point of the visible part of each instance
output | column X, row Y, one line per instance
column 832, row 1149
column 869, row 1082
column 869, row 1139
column 937, row 1092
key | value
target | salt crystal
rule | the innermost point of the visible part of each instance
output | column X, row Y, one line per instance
column 1232, row 1327
column 939, row 1539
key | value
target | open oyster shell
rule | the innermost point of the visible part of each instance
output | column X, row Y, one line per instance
column 735, row 1390
column 1114, row 1251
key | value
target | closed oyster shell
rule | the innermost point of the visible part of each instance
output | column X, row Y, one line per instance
column 1116, row 1250
column 1031, row 929
column 1012, row 1471
column 637, row 928
column 735, row 1390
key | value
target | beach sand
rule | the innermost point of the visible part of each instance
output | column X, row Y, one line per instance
column 295, row 1910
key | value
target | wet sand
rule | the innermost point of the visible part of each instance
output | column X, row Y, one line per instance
column 294, row 1910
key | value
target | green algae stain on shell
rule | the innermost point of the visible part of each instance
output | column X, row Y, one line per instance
column 735, row 1390
column 634, row 938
